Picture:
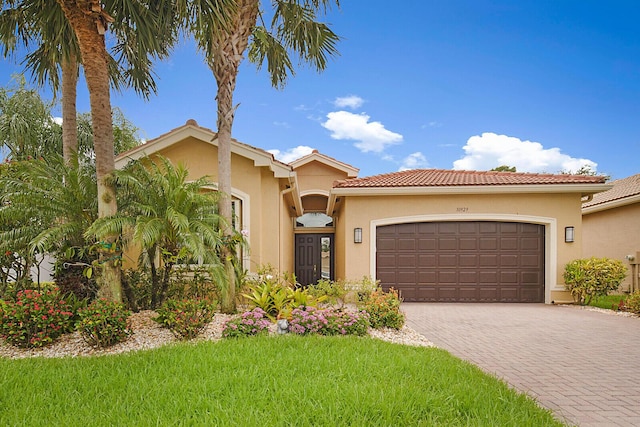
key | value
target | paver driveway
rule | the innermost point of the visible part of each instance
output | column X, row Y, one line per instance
column 583, row 365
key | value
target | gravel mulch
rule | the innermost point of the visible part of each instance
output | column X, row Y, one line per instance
column 147, row 334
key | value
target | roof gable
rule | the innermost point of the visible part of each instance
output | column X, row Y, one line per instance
column 192, row 129
column 316, row 156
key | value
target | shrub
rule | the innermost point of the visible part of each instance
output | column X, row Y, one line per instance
column 310, row 320
column 103, row 323
column 333, row 290
column 35, row 319
column 186, row 318
column 384, row 309
column 593, row 277
column 277, row 296
column 249, row 323
column 632, row 303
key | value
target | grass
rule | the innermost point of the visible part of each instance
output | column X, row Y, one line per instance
column 609, row 302
column 281, row 381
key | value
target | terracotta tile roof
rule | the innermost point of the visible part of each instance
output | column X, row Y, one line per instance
column 622, row 188
column 448, row 178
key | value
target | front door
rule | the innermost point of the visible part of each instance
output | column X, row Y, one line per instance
column 314, row 258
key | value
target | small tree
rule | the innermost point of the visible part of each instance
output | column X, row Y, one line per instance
column 593, row 277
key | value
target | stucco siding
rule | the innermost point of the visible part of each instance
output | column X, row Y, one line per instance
column 555, row 211
column 612, row 233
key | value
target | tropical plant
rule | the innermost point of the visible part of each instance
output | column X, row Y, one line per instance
column 593, row 277
column 172, row 220
column 293, row 29
column 384, row 309
column 27, row 129
column 254, row 322
column 632, row 303
column 277, row 296
column 329, row 321
column 103, row 323
column 35, row 319
column 186, row 318
column 46, row 208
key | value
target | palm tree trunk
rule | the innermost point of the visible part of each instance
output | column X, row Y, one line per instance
column 88, row 25
column 229, row 49
column 69, row 112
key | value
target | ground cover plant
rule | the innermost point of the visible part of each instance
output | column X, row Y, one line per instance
column 288, row 380
column 609, row 302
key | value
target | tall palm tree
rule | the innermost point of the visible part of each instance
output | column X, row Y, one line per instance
column 151, row 24
column 294, row 29
column 170, row 218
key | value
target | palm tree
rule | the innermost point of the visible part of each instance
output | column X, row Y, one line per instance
column 170, row 218
column 293, row 29
column 151, row 26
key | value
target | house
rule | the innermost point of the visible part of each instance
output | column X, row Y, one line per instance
column 435, row 235
column 611, row 226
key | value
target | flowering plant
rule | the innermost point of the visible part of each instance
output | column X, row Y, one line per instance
column 103, row 323
column 310, row 320
column 35, row 319
column 252, row 322
column 384, row 309
column 186, row 318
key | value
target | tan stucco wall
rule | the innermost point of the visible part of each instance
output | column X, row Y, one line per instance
column 317, row 176
column 613, row 233
column 259, row 190
column 556, row 211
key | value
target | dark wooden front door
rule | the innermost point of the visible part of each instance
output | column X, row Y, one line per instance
column 314, row 258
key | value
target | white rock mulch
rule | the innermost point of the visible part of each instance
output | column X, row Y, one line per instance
column 147, row 334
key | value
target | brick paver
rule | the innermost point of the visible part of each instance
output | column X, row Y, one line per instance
column 583, row 365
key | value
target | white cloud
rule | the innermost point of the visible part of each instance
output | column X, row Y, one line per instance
column 415, row 160
column 489, row 150
column 369, row 136
column 351, row 101
column 291, row 154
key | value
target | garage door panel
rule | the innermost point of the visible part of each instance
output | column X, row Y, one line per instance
column 488, row 260
column 463, row 261
column 447, row 244
column 447, row 260
column 427, row 244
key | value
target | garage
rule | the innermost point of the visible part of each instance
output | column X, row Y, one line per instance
column 462, row 261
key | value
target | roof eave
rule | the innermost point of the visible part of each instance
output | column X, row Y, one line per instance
column 618, row 203
column 584, row 189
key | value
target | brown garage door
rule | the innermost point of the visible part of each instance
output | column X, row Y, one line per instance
column 479, row 261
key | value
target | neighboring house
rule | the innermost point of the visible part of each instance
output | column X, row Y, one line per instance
column 611, row 226
column 436, row 235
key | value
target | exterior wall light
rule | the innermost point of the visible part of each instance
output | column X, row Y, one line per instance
column 357, row 235
column 569, row 234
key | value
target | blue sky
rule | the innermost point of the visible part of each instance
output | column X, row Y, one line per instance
column 542, row 85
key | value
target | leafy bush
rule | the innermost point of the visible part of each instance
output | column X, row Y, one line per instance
column 277, row 297
column 186, row 318
column 249, row 323
column 333, row 290
column 310, row 320
column 593, row 277
column 632, row 303
column 384, row 309
column 103, row 323
column 35, row 319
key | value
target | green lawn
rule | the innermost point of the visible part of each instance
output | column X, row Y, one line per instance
column 609, row 301
column 266, row 381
